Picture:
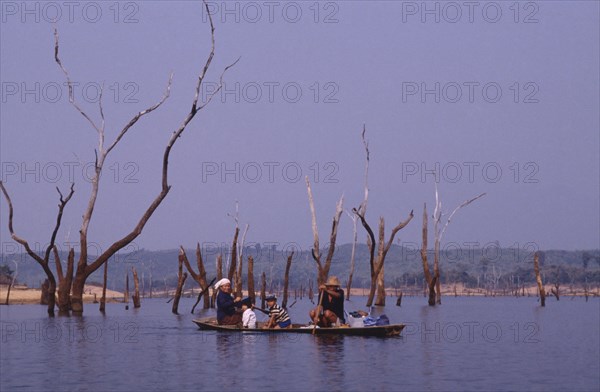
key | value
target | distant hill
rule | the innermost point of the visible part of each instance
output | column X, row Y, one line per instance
column 475, row 267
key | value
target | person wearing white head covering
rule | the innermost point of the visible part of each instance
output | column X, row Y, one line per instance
column 227, row 312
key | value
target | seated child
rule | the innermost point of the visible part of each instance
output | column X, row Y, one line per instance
column 249, row 317
column 278, row 317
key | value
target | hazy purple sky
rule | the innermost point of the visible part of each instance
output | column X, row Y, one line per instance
column 497, row 104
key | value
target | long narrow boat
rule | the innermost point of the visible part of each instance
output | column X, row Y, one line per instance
column 210, row 324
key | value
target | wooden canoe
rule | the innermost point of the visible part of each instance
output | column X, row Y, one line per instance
column 210, row 324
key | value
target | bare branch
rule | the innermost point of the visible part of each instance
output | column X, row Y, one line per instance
column 70, row 84
column 311, row 203
column 464, row 204
column 363, row 206
column 61, row 207
column 12, row 232
column 142, row 113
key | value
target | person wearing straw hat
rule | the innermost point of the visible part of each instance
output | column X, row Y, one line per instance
column 331, row 309
column 227, row 312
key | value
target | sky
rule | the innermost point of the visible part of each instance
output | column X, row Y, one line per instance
column 495, row 97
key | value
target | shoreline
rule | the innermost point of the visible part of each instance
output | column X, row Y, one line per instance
column 20, row 295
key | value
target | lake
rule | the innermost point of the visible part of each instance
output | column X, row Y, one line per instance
column 467, row 344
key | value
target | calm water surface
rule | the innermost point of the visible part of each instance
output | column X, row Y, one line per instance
column 467, row 344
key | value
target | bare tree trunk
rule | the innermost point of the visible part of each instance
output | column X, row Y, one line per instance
column 12, row 282
column 251, row 292
column 263, row 289
column 136, row 293
column 323, row 269
column 182, row 276
column 105, row 279
column 538, row 278
column 65, row 281
column 352, row 255
column 439, row 234
column 219, row 266
column 238, row 278
column 383, row 249
column 380, row 301
column 199, row 277
column 286, row 280
column 126, row 294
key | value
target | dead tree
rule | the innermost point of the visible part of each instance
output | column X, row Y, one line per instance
column 126, row 294
column 383, row 248
column 439, row 234
column 363, row 211
column 538, row 278
column 429, row 280
column 286, row 280
column 199, row 277
column 182, row 276
column 64, row 281
column 103, row 299
column 83, row 268
column 251, row 292
column 42, row 261
column 323, row 268
column 263, row 289
column 136, row 292
column 12, row 282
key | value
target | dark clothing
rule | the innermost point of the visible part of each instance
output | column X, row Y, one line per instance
column 226, row 307
column 336, row 305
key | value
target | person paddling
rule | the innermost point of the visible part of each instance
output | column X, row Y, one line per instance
column 227, row 314
column 332, row 304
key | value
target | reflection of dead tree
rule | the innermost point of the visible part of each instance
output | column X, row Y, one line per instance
column 323, row 269
column 377, row 266
column 286, row 280
column 43, row 261
column 439, row 234
column 199, row 277
column 538, row 278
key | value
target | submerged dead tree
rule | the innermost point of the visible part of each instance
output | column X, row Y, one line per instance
column 439, row 234
column 64, row 281
column 286, row 280
column 538, row 278
column 84, row 268
column 103, row 299
column 42, row 261
column 362, row 209
column 382, row 250
column 251, row 292
column 136, row 290
column 323, row 268
column 181, row 277
column 12, row 282
column 200, row 276
column 429, row 279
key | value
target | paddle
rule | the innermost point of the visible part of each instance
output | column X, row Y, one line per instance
column 202, row 293
column 322, row 294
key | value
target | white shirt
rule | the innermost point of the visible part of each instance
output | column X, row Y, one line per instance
column 249, row 318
